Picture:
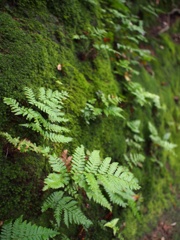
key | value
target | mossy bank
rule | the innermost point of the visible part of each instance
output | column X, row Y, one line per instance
column 79, row 47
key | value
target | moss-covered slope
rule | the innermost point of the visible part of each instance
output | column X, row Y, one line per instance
column 74, row 46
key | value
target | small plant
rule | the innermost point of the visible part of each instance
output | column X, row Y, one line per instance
column 108, row 106
column 134, row 157
column 143, row 97
column 160, row 142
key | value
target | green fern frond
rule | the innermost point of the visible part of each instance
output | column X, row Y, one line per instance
column 48, row 102
column 132, row 204
column 60, row 178
column 104, row 166
column 143, row 97
column 134, row 144
column 117, row 199
column 112, row 169
column 26, row 231
column 93, row 162
column 94, row 175
column 10, row 139
column 67, row 205
column 168, row 146
column 134, row 159
column 93, row 191
column 6, row 231
column 78, row 162
column 134, row 125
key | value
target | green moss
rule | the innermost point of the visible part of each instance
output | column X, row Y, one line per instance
column 35, row 37
column 21, row 185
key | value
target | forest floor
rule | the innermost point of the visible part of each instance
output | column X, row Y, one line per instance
column 168, row 226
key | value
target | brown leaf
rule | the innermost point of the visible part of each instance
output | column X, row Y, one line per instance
column 66, row 159
column 59, row 67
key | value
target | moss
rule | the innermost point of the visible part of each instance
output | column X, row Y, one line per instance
column 37, row 36
column 21, row 185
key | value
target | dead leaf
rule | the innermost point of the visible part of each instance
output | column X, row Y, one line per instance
column 66, row 159
column 127, row 76
column 59, row 67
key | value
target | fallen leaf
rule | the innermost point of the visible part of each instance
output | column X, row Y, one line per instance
column 127, row 76
column 59, row 67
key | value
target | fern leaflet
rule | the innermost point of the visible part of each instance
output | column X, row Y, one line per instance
column 67, row 205
column 26, row 231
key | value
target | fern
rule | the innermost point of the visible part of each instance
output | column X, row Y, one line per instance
column 143, row 97
column 166, row 145
column 134, row 208
column 94, row 175
column 49, row 103
column 60, row 177
column 26, row 231
column 135, row 159
column 67, row 205
column 134, row 126
column 108, row 106
column 26, row 145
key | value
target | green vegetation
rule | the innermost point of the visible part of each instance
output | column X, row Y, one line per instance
column 97, row 83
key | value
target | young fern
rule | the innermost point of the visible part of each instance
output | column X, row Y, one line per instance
column 158, row 141
column 67, row 205
column 134, row 157
column 26, row 231
column 48, row 103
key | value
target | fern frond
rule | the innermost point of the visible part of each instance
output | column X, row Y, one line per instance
column 143, row 97
column 134, row 125
column 134, row 144
column 168, row 146
column 132, row 204
column 6, row 231
column 93, row 191
column 72, row 214
column 60, row 177
column 104, row 166
column 67, row 205
column 48, row 102
column 94, row 175
column 93, row 162
column 30, row 95
column 10, row 139
column 22, row 230
column 117, row 199
column 134, row 159
column 78, row 161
